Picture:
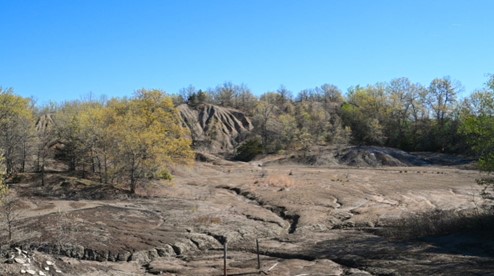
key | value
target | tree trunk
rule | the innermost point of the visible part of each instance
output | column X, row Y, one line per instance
column 43, row 171
column 133, row 180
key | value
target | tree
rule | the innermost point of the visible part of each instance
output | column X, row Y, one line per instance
column 95, row 120
column 45, row 138
column 442, row 97
column 8, row 203
column 16, row 128
column 313, row 120
column 366, row 113
column 3, row 173
column 147, row 137
column 477, row 126
column 224, row 95
column 442, row 102
column 405, row 112
column 248, row 150
column 267, row 126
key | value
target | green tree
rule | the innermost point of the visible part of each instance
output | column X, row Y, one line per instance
column 248, row 150
column 366, row 113
column 477, row 125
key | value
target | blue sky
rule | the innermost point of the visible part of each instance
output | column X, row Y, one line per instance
column 64, row 50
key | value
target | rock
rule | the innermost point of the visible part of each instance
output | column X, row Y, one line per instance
column 41, row 273
column 31, row 272
column 180, row 248
column 165, row 251
column 123, row 256
column 153, row 254
column 19, row 251
column 69, row 250
column 58, row 271
column 204, row 241
column 23, row 271
column 49, row 263
column 112, row 256
column 20, row 260
column 144, row 257
column 357, row 272
column 47, row 268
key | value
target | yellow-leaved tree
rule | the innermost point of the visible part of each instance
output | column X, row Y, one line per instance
column 146, row 137
column 17, row 128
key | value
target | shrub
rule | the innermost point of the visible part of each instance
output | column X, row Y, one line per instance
column 248, row 150
column 439, row 222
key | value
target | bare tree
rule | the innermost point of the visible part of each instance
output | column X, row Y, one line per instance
column 10, row 213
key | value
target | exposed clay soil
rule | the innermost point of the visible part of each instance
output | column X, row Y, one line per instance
column 309, row 220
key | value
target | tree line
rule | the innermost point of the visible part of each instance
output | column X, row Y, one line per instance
column 125, row 140
column 399, row 113
column 115, row 141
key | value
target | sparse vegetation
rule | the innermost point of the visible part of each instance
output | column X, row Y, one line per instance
column 207, row 220
column 439, row 222
column 248, row 150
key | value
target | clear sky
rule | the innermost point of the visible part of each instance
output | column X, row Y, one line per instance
column 65, row 49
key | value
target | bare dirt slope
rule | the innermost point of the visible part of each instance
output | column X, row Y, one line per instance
column 214, row 128
column 309, row 221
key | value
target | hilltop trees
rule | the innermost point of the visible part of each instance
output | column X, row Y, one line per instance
column 130, row 139
column 399, row 114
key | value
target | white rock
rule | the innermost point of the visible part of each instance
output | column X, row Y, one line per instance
column 58, row 271
column 41, row 273
column 49, row 263
column 31, row 272
column 19, row 251
column 23, row 271
column 20, row 260
column 47, row 268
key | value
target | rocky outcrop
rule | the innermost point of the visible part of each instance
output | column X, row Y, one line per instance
column 215, row 129
column 24, row 262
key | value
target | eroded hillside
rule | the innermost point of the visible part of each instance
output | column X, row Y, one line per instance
column 215, row 129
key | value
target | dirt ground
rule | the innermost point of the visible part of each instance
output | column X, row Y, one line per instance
column 309, row 220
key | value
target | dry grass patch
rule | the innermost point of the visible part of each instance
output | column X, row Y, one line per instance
column 207, row 220
column 440, row 222
column 277, row 180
